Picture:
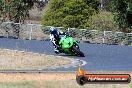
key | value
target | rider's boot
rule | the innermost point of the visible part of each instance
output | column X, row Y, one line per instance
column 56, row 51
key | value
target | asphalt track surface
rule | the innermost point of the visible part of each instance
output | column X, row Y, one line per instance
column 98, row 57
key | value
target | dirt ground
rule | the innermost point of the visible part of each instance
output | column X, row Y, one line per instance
column 52, row 80
column 12, row 59
column 36, row 76
column 50, row 76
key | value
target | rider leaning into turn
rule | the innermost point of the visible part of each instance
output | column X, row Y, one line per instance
column 55, row 38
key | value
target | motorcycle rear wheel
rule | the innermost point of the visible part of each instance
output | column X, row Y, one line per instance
column 78, row 52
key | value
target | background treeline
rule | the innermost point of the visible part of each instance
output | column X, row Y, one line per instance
column 111, row 15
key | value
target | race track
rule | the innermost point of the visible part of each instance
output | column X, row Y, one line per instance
column 98, row 57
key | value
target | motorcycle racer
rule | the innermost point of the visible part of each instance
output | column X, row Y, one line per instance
column 55, row 38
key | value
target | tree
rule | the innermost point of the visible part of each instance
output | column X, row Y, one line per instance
column 122, row 10
column 16, row 11
column 70, row 13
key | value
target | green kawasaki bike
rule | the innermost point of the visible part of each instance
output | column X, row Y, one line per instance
column 70, row 46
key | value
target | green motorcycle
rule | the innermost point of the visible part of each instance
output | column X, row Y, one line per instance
column 70, row 46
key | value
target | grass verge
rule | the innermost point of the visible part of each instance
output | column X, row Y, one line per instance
column 49, row 80
column 10, row 59
column 58, row 84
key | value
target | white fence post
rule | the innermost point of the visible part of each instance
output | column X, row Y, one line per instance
column 104, row 37
column 31, row 30
column 101, row 4
column 68, row 30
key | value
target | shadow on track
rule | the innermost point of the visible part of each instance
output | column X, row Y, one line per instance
column 69, row 55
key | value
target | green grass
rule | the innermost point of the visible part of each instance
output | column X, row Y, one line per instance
column 130, row 85
column 73, row 84
column 58, row 84
column 25, row 84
